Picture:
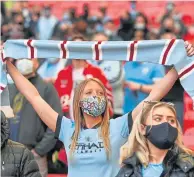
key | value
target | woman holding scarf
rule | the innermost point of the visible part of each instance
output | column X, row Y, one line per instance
column 93, row 141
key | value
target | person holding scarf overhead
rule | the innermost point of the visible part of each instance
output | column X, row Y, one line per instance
column 68, row 79
column 93, row 141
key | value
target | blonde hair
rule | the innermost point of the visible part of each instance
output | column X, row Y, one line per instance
column 137, row 142
column 79, row 120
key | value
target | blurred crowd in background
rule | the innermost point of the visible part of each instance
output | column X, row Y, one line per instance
column 37, row 20
column 130, row 82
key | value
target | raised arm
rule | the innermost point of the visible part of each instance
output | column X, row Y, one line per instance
column 161, row 88
column 45, row 112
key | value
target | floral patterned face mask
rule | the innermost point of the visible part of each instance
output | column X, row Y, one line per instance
column 93, row 105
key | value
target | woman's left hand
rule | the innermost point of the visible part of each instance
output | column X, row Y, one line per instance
column 189, row 48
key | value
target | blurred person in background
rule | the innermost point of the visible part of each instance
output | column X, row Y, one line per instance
column 26, row 126
column 36, row 9
column 15, row 26
column 126, row 26
column 21, row 18
column 46, row 24
column 153, row 34
column 93, row 21
column 5, row 31
column 81, row 28
column 86, row 12
column 31, row 16
column 172, row 21
column 50, row 68
column 190, row 35
column 139, row 35
column 15, row 8
column 141, row 27
column 133, row 9
column 72, row 75
column 33, row 24
column 110, row 31
column 71, row 15
column 103, row 17
column 16, row 159
column 62, row 30
column 115, row 74
column 3, row 13
column 17, row 30
column 140, row 78
column 168, row 25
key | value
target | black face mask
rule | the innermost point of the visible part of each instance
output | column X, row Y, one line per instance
column 162, row 136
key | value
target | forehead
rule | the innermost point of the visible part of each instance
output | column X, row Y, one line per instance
column 93, row 85
column 163, row 110
column 100, row 38
column 78, row 39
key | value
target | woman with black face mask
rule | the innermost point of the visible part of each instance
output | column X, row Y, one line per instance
column 155, row 147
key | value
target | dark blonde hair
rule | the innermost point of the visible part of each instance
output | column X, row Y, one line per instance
column 79, row 120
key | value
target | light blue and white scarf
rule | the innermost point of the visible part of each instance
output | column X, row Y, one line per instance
column 165, row 52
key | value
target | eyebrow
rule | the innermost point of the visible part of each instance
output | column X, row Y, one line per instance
column 99, row 90
column 162, row 116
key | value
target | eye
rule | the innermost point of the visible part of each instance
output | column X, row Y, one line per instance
column 88, row 92
column 101, row 93
column 172, row 121
column 157, row 119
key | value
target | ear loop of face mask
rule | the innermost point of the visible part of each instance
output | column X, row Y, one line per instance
column 107, row 102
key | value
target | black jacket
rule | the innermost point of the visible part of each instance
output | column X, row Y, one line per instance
column 33, row 132
column 16, row 159
column 176, row 164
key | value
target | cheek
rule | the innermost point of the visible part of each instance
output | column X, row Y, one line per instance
column 174, row 125
column 82, row 97
column 149, row 121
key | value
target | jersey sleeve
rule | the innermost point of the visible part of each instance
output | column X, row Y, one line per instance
column 62, row 128
column 123, row 124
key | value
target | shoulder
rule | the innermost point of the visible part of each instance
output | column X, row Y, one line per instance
column 94, row 68
column 19, row 150
column 41, row 85
column 126, row 170
column 185, row 162
column 15, row 145
column 50, row 88
column 63, row 127
column 123, row 118
column 64, row 71
column 128, row 166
